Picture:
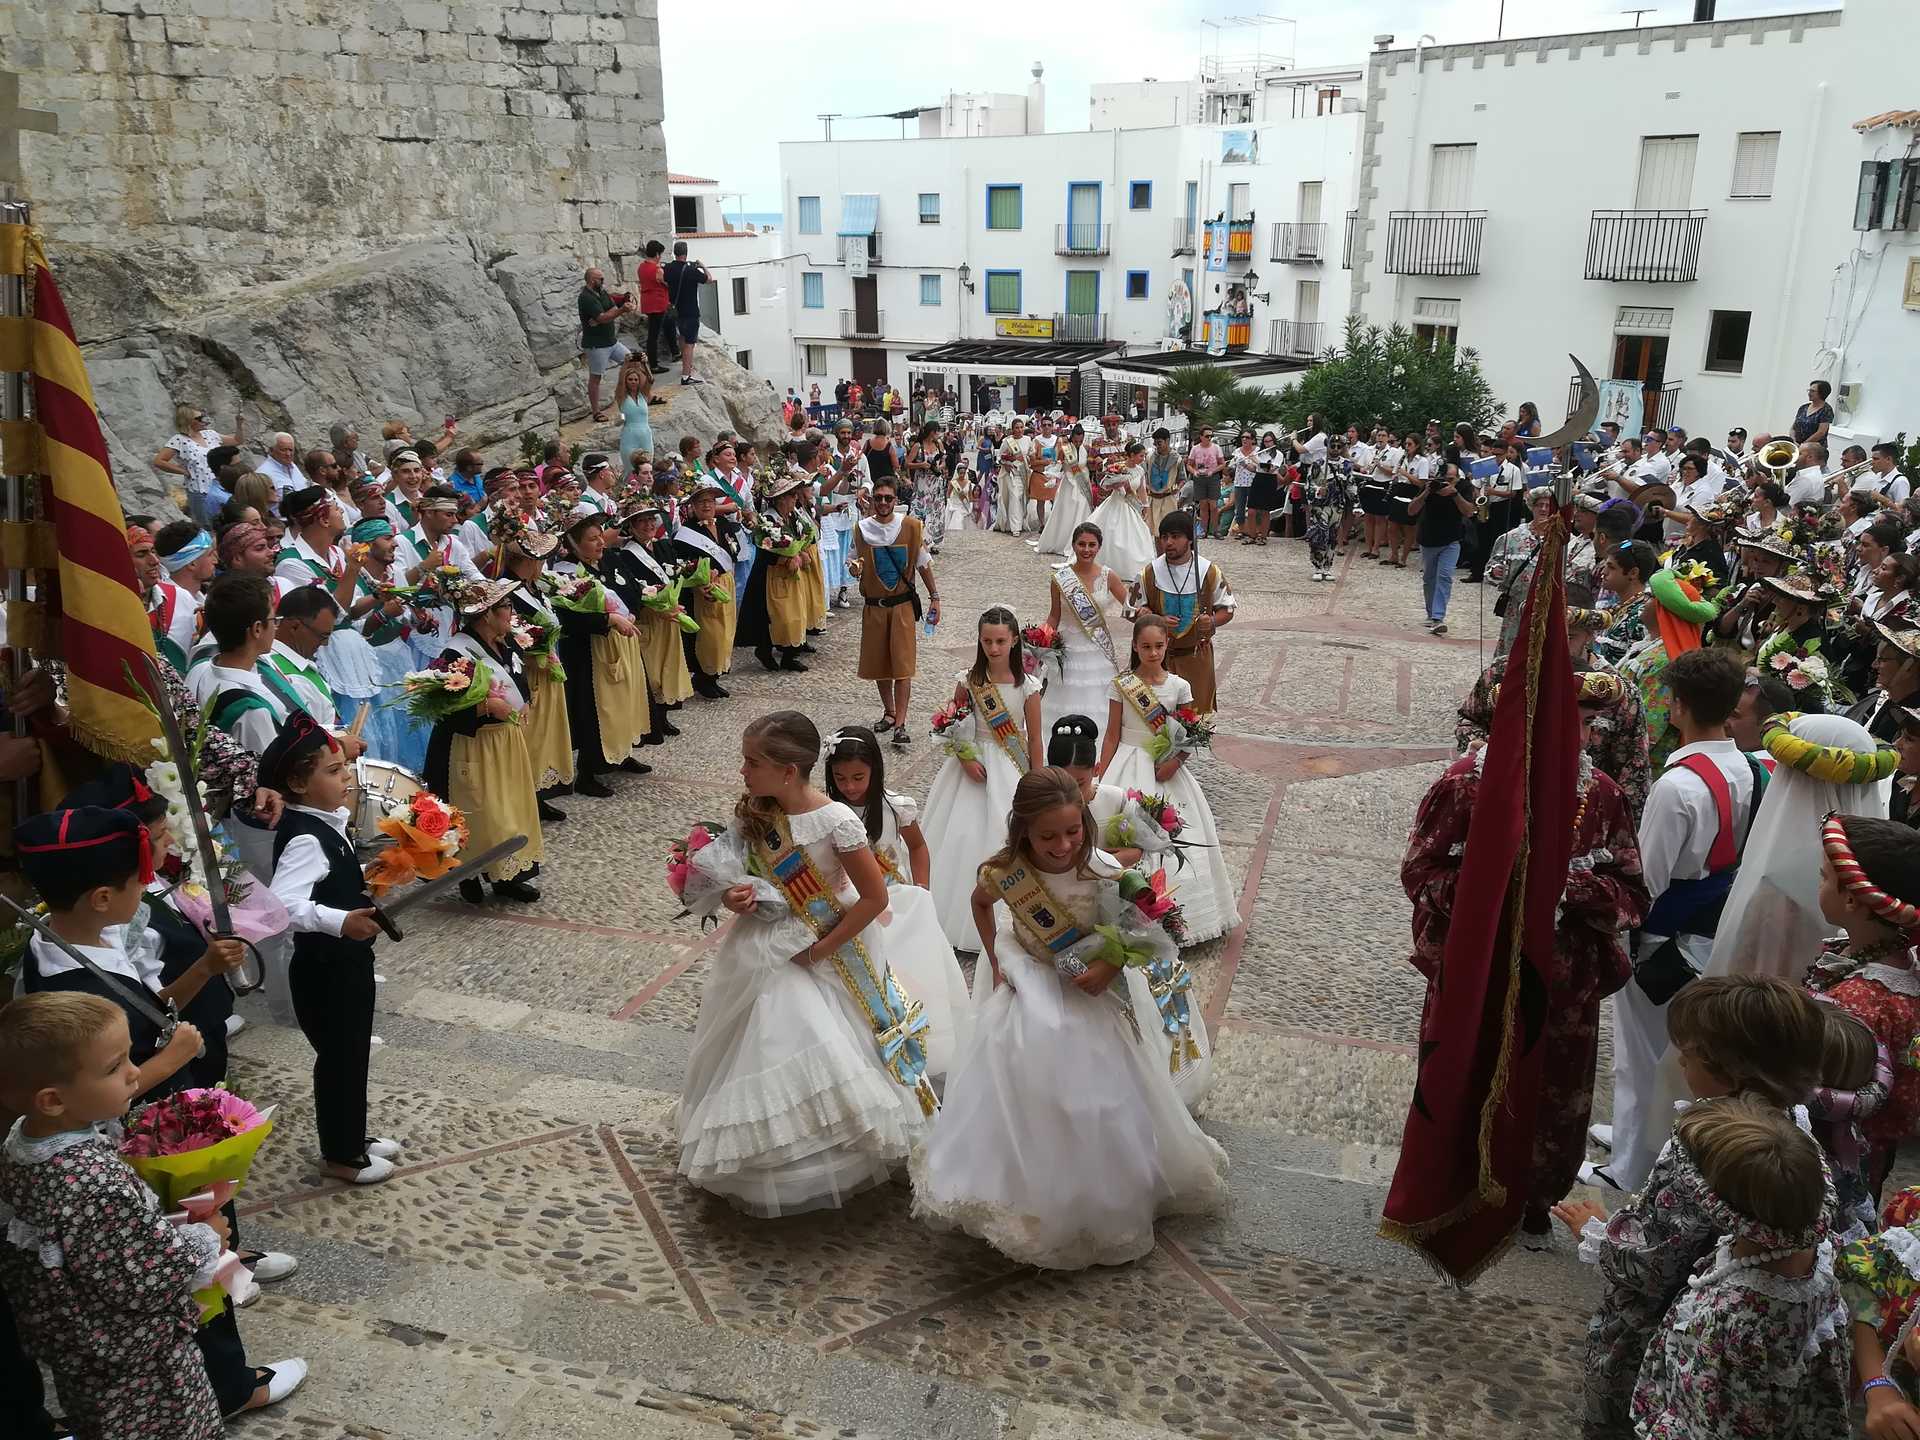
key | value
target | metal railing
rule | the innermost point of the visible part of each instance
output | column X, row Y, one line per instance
column 1299, row 242
column 1079, row 329
column 1297, row 337
column 1353, row 235
column 1081, row 239
column 1648, row 245
column 1186, row 235
column 1434, row 242
column 1660, row 405
column 852, row 327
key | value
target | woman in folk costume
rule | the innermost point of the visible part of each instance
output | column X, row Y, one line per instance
column 607, row 707
column 1062, row 1139
column 707, row 536
column 797, row 1096
column 1192, row 595
column 1011, row 473
column 1136, row 755
column 648, row 583
column 477, row 756
column 1087, row 606
column 778, row 604
column 1072, row 502
column 1129, row 543
column 366, row 655
column 520, row 554
column 856, row 776
column 989, row 747
column 813, row 567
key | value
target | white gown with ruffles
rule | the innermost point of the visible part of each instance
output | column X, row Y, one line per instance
column 1061, row 1140
column 1082, row 683
column 1126, row 544
column 787, row 1106
column 923, row 961
column 965, row 820
column 1202, row 886
column 1071, row 505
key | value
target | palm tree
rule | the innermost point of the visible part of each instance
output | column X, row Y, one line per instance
column 1197, row 391
column 1248, row 407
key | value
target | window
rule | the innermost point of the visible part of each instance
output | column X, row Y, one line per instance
column 1754, row 157
column 739, row 294
column 1140, row 195
column 1666, row 172
column 816, row 359
column 1136, row 285
column 809, row 215
column 1450, row 178
column 744, row 359
column 1003, row 292
column 1886, row 195
column 1436, row 321
column 813, row 290
column 686, row 215
column 1727, row 341
column 929, row 289
column 1003, row 207
column 929, row 207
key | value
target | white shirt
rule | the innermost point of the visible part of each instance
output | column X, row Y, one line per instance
column 1387, row 460
column 254, row 729
column 1700, row 492
column 1647, row 470
column 285, row 477
column 1680, row 824
column 1179, row 580
column 1362, row 454
column 1314, row 452
column 1808, row 485
column 1893, row 485
column 414, row 546
column 295, row 567
column 303, row 677
column 302, row 865
column 186, row 611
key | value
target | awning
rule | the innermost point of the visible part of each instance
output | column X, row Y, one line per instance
column 1152, row 369
column 973, row 357
column 859, row 214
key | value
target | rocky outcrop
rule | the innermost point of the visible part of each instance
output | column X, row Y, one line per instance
column 417, row 334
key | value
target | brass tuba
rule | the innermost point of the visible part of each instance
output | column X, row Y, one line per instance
column 1779, row 458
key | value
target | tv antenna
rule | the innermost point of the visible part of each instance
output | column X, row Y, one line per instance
column 1636, row 14
column 827, row 120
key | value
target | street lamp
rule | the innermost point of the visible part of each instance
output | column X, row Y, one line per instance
column 966, row 277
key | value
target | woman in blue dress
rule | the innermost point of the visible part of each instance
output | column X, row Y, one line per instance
column 634, row 394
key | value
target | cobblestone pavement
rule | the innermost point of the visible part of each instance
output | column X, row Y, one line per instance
column 536, row 1269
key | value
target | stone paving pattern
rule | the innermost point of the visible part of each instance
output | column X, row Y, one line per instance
column 537, row 1268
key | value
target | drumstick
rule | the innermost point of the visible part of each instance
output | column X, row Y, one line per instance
column 360, row 720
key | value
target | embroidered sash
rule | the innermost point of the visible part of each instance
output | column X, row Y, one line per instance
column 1086, row 612
column 898, row 1022
column 706, row 545
column 645, row 557
column 1138, row 694
column 990, row 710
column 1170, row 983
column 1046, row 927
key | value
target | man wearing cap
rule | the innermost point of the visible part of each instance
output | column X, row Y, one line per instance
column 186, row 553
column 888, row 555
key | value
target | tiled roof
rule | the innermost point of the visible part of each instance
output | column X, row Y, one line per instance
column 1906, row 119
column 673, row 179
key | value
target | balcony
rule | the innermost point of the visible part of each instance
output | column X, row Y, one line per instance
column 1659, row 405
column 1238, row 329
column 1081, row 239
column 1185, row 233
column 1297, row 337
column 1434, row 242
column 1239, row 238
column 850, row 246
column 1079, row 329
column 1657, row 246
column 1303, row 243
column 1353, row 236
column 855, row 326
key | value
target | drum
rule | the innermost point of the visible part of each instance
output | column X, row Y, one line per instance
column 377, row 783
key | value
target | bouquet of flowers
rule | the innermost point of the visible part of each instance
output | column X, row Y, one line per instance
column 715, row 589
column 538, row 640
column 1153, row 901
column 575, row 590
column 946, row 731
column 194, row 1149
column 1199, row 727
column 1043, row 642
column 1802, row 669
column 445, row 688
column 428, row 835
column 1148, row 823
column 710, row 861
column 1697, row 574
column 1168, row 740
column 773, row 536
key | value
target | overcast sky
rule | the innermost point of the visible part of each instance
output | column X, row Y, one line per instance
column 742, row 75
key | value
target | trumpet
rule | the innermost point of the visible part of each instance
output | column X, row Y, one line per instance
column 1842, row 480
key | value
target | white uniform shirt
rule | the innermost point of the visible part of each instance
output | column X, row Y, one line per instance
column 1809, row 485
column 1680, row 824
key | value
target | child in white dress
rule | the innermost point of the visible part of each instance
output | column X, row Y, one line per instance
column 790, row 1104
column 919, row 952
column 1130, row 548
column 1086, row 605
column 1062, row 1139
column 1144, row 699
column 965, row 819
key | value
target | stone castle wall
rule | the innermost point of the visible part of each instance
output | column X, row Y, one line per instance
column 240, row 140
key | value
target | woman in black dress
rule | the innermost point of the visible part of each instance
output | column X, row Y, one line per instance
column 1265, row 496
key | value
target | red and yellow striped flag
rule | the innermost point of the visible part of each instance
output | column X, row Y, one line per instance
column 91, row 613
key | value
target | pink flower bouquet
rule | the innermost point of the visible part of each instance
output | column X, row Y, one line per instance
column 710, row 862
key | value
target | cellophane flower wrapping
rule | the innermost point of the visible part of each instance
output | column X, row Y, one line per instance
column 257, row 916
column 1169, row 740
column 710, row 862
column 444, row 689
column 428, row 836
column 945, row 728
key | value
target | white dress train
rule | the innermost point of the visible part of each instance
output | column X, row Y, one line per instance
column 1202, row 886
column 1029, row 1155
column 1082, row 683
column 965, row 820
column 923, row 961
column 1126, row 542
column 1070, row 506
column 787, row 1105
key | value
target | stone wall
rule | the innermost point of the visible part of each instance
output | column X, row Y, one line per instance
column 222, row 142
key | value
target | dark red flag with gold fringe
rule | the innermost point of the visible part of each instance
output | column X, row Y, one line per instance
column 1466, row 1153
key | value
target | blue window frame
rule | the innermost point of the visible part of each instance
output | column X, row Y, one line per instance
column 1006, row 206
column 929, row 207
column 929, row 289
column 1140, row 195
column 1136, row 285
column 808, row 220
column 1002, row 289
column 813, row 290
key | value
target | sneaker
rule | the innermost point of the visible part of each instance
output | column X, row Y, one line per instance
column 1317, row 577
column 288, row 1376
column 1441, row 628
column 272, row 1265
column 372, row 1173
column 1601, row 1135
column 382, row 1149
column 235, row 1024
column 1596, row 1175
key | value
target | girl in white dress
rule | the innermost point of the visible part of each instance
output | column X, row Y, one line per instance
column 1129, row 544
column 919, row 952
column 1062, row 1139
column 965, row 819
column 1149, row 689
column 789, row 1104
column 1086, row 604
column 1072, row 503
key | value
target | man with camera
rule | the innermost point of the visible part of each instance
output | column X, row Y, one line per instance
column 684, row 278
column 1440, row 513
column 600, row 314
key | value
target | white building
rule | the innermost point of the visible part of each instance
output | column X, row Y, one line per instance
column 746, row 303
column 1674, row 204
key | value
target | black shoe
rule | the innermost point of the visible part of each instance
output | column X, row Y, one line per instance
column 806, row 647
column 1473, row 580
column 551, row 814
column 553, row 792
column 817, row 630
column 707, row 690
column 902, row 737
column 719, row 693
column 593, row 787
column 678, row 705
column 652, row 737
column 634, row 767
column 471, row 892
column 515, row 889
column 764, row 654
column 792, row 661
column 663, row 725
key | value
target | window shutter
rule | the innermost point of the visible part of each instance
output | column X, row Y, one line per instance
column 813, row 289
column 929, row 208
column 929, row 289
column 1754, row 158
column 1003, row 207
column 1003, row 292
column 1868, row 198
column 809, row 214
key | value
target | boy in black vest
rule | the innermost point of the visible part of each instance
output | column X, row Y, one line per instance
column 318, row 878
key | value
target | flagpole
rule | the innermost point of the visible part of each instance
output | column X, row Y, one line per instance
column 16, row 392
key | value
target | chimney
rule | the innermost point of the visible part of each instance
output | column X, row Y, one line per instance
column 1703, row 11
column 1037, row 102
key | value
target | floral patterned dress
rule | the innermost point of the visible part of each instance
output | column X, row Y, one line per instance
column 1880, row 1275
column 1744, row 1351
column 1885, row 997
column 102, row 1288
